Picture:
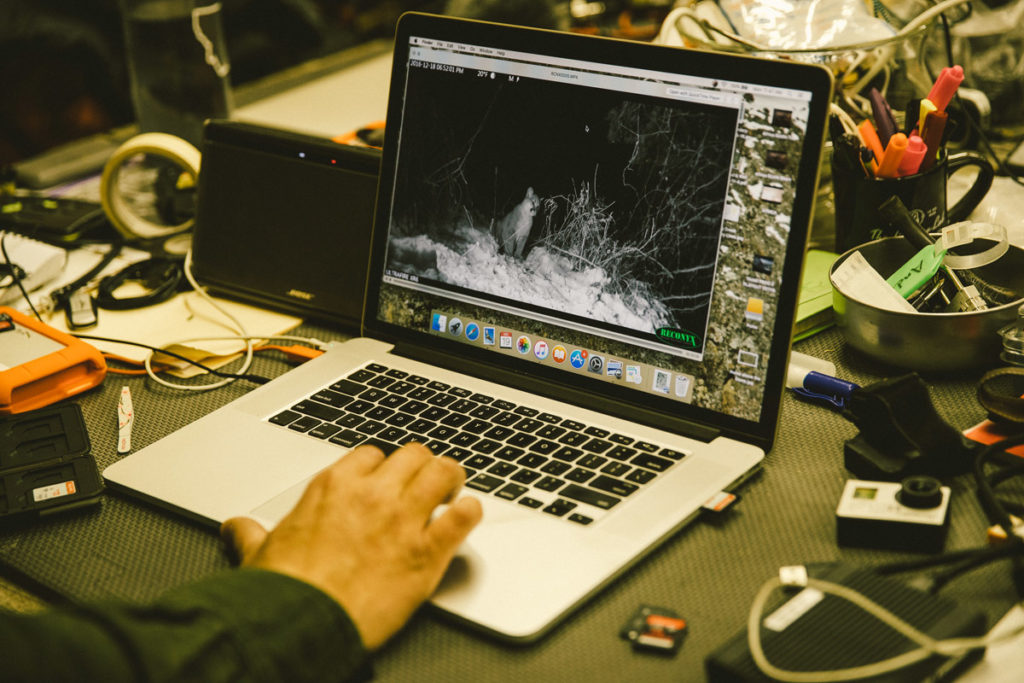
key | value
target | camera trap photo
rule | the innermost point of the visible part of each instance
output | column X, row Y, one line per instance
column 611, row 215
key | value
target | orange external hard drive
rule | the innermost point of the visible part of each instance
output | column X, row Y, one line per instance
column 40, row 365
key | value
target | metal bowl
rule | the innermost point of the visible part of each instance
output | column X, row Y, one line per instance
column 930, row 342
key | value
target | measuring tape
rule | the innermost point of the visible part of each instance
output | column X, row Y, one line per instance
column 133, row 227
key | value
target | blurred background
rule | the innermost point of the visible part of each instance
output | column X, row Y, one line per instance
column 64, row 74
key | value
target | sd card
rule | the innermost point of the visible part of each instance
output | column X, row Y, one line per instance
column 45, row 462
column 655, row 629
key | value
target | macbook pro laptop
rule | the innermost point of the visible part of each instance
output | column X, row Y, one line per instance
column 582, row 285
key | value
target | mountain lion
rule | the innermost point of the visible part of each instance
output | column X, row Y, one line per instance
column 513, row 230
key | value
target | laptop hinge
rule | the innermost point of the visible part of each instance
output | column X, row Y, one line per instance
column 560, row 392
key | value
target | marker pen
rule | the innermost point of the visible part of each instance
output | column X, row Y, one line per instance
column 882, row 113
column 932, row 128
column 869, row 136
column 890, row 164
column 912, row 157
column 927, row 107
column 945, row 86
column 826, row 389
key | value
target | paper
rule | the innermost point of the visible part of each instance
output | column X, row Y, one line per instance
column 856, row 278
column 184, row 316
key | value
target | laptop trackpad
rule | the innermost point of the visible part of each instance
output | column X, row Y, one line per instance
column 271, row 512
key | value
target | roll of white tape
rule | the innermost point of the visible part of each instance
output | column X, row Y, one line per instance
column 179, row 152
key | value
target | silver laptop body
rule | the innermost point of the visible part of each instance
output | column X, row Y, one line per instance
column 595, row 240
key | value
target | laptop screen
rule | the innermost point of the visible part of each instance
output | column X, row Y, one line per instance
column 617, row 224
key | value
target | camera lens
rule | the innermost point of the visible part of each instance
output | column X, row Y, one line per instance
column 920, row 491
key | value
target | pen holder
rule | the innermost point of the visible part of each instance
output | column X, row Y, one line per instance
column 857, row 197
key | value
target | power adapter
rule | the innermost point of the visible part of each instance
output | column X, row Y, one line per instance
column 828, row 632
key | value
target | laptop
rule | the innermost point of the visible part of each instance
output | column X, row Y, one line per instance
column 582, row 283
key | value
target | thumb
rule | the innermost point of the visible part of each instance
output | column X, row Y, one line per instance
column 244, row 536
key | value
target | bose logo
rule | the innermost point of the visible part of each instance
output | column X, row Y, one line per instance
column 299, row 294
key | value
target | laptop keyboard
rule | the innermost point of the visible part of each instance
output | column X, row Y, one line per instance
column 515, row 452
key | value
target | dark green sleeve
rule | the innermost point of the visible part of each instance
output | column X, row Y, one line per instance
column 241, row 625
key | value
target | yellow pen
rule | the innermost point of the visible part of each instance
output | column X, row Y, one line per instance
column 927, row 106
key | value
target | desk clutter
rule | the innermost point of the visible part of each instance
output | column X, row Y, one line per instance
column 916, row 285
column 958, row 282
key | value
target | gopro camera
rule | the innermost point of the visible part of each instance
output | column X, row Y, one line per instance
column 910, row 515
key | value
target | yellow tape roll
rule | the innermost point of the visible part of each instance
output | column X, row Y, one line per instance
column 132, row 226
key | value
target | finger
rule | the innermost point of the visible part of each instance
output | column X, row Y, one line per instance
column 359, row 462
column 436, row 482
column 244, row 537
column 449, row 529
column 403, row 464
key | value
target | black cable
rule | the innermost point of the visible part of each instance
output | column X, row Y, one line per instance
column 60, row 297
column 1014, row 469
column 16, row 276
column 97, row 216
column 969, row 554
column 1012, row 551
column 949, row 39
column 1000, row 164
column 994, row 508
column 986, row 495
column 255, row 379
column 160, row 275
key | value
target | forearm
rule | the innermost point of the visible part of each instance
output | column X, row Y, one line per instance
column 245, row 624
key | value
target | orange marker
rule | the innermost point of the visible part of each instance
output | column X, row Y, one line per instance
column 890, row 165
column 869, row 136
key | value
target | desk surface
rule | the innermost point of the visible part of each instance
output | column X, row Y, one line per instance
column 709, row 573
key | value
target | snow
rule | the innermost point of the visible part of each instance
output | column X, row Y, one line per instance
column 542, row 278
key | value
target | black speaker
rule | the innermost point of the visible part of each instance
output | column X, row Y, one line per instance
column 283, row 220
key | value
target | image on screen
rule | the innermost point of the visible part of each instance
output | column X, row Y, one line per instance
column 609, row 212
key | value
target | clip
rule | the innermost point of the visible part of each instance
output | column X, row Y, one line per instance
column 826, row 389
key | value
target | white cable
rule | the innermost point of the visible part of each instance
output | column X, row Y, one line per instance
column 312, row 341
column 929, row 14
column 246, row 364
column 928, row 645
column 220, row 68
column 849, row 125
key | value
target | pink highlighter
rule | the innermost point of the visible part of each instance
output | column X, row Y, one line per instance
column 913, row 155
column 945, row 86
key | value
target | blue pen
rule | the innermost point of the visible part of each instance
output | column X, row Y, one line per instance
column 817, row 386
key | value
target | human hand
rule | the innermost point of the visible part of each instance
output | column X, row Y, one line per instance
column 363, row 533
